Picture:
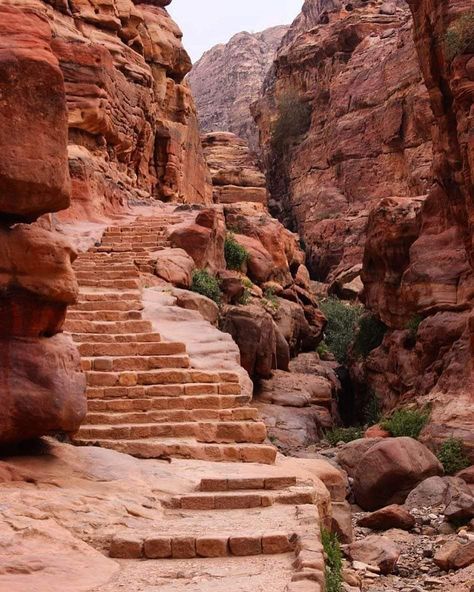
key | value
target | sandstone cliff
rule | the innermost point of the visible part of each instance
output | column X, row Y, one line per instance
column 229, row 77
column 344, row 121
column 132, row 122
column 42, row 387
column 418, row 260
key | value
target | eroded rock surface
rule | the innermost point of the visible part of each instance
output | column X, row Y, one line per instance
column 353, row 68
column 229, row 77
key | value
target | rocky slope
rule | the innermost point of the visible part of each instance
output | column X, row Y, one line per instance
column 228, row 78
column 418, row 259
column 347, row 94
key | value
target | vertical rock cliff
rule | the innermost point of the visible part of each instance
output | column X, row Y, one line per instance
column 423, row 275
column 344, row 121
column 229, row 77
column 41, row 384
column 133, row 132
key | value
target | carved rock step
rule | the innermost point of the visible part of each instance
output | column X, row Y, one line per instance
column 161, row 348
column 143, row 363
column 123, row 284
column 113, row 327
column 169, row 390
column 171, row 416
column 107, row 295
column 105, row 274
column 187, row 448
column 202, row 431
column 105, row 315
column 239, row 500
column 152, row 546
column 116, row 338
column 212, row 484
column 183, row 402
column 124, row 305
column 152, row 377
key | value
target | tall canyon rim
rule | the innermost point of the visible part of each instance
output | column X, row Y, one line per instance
column 169, row 405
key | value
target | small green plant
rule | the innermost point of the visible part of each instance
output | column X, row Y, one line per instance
column 413, row 325
column 370, row 334
column 322, row 350
column 406, row 422
column 342, row 321
column 235, row 255
column 460, row 36
column 245, row 298
column 372, row 412
column 332, row 550
column 206, row 284
column 270, row 300
column 452, row 456
column 294, row 119
column 343, row 435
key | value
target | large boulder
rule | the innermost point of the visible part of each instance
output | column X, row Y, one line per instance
column 393, row 516
column 451, row 495
column 375, row 550
column 253, row 330
column 203, row 239
column 349, row 456
column 34, row 174
column 175, row 266
column 390, row 469
column 43, row 387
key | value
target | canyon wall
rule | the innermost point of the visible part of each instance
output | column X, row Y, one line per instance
column 133, row 132
column 344, row 121
column 42, row 387
column 418, row 264
column 229, row 77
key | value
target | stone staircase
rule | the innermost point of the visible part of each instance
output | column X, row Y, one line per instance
column 145, row 399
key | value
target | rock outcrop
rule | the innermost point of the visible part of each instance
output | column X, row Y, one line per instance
column 133, row 134
column 419, row 276
column 43, row 389
column 234, row 171
column 344, row 121
column 229, row 77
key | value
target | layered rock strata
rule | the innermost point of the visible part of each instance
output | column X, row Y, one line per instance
column 347, row 94
column 132, row 122
column 234, row 171
column 418, row 276
column 229, row 77
column 41, row 381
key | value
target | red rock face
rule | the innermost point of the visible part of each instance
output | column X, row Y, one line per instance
column 30, row 78
column 369, row 131
column 132, row 121
column 42, row 386
column 423, row 269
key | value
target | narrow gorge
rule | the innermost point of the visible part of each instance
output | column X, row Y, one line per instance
column 237, row 324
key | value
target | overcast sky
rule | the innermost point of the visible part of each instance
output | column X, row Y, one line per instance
column 208, row 22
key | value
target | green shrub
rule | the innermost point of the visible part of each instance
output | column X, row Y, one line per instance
column 206, row 284
column 322, row 350
column 294, row 119
column 370, row 334
column 332, row 550
column 341, row 326
column 406, row 422
column 413, row 325
column 235, row 254
column 343, row 435
column 451, row 455
column 460, row 36
column 372, row 412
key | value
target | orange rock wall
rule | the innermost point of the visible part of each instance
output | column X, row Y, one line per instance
column 370, row 131
column 434, row 284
